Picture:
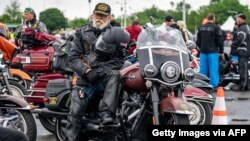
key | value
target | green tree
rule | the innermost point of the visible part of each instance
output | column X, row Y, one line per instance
column 180, row 5
column 221, row 8
column 53, row 18
column 77, row 22
column 12, row 13
column 214, row 1
column 159, row 15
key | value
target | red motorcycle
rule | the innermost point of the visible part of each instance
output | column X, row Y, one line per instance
column 31, row 66
column 153, row 91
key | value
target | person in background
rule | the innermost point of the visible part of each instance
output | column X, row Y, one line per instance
column 243, row 52
column 113, row 22
column 29, row 20
column 134, row 30
column 210, row 42
column 234, row 49
column 185, row 33
column 169, row 20
column 7, row 134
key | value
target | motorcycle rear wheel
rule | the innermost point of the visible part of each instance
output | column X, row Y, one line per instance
column 17, row 89
column 174, row 119
column 61, row 131
column 48, row 123
column 202, row 113
column 25, row 83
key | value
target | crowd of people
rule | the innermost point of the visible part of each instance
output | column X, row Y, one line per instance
column 100, row 66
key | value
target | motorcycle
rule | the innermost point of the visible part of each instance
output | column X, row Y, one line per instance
column 15, row 114
column 199, row 93
column 153, row 91
column 14, row 111
column 35, row 64
column 229, row 70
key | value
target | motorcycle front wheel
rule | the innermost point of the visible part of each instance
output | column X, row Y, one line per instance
column 202, row 113
column 174, row 119
column 19, row 120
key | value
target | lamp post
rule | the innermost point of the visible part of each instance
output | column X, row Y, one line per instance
column 89, row 7
column 122, row 17
column 184, row 11
column 125, row 13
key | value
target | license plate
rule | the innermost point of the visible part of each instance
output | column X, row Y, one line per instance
column 25, row 59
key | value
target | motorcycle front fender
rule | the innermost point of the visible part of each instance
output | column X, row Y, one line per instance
column 197, row 94
column 20, row 73
column 201, row 84
column 175, row 105
column 8, row 101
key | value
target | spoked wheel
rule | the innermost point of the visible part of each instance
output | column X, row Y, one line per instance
column 17, row 89
column 174, row 119
column 48, row 123
column 201, row 113
column 25, row 83
column 61, row 131
column 19, row 120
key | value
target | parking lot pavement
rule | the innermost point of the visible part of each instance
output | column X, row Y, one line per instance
column 237, row 106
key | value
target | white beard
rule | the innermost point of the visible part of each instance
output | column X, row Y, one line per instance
column 99, row 25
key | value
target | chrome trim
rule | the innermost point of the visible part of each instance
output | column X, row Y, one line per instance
column 199, row 99
column 164, row 67
column 181, row 60
column 44, row 91
column 29, row 96
column 134, row 114
column 151, row 61
column 185, row 112
column 146, row 47
column 170, row 84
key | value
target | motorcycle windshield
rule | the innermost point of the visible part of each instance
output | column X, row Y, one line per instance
column 159, row 44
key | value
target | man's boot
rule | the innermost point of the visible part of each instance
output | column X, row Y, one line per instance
column 108, row 105
column 77, row 109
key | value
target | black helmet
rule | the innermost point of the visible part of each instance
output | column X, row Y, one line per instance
column 111, row 39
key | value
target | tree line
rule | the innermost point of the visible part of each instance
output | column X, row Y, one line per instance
column 55, row 19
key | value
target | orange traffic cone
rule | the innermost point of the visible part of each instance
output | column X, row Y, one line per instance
column 219, row 112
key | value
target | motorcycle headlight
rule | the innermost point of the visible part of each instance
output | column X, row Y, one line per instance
column 189, row 74
column 170, row 71
column 150, row 70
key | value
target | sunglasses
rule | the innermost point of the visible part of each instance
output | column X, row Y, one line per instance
column 28, row 10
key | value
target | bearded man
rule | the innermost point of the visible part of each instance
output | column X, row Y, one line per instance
column 96, row 60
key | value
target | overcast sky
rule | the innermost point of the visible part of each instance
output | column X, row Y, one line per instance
column 80, row 8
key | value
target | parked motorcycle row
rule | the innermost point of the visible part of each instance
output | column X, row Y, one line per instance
column 160, row 88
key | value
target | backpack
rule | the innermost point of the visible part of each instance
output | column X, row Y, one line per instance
column 61, row 58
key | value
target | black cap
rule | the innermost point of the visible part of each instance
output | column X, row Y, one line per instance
column 169, row 19
column 102, row 8
column 241, row 15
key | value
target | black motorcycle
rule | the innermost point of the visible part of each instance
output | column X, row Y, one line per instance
column 229, row 70
column 14, row 111
column 152, row 92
